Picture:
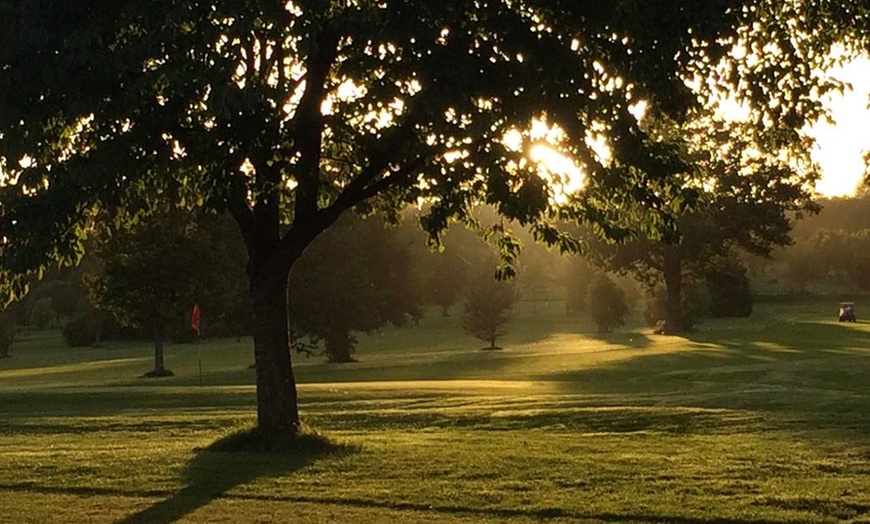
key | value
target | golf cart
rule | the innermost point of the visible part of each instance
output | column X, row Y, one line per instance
column 847, row 312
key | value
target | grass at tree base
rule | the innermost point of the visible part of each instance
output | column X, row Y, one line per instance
column 304, row 442
column 158, row 373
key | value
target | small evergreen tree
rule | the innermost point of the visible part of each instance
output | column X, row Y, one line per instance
column 606, row 304
column 487, row 307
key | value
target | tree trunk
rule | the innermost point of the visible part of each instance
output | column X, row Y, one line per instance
column 673, row 273
column 339, row 347
column 277, row 410
column 159, row 365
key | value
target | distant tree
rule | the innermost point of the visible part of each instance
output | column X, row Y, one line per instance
column 356, row 277
column 153, row 272
column 846, row 214
column 540, row 273
column 743, row 200
column 851, row 256
column 826, row 246
column 729, row 288
column 579, row 276
column 446, row 273
column 695, row 304
column 446, row 280
column 67, row 293
column 41, row 313
column 8, row 330
column 804, row 263
column 487, row 306
column 606, row 304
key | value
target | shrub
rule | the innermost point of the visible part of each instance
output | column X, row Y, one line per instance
column 695, row 304
column 42, row 314
column 606, row 304
column 82, row 330
column 730, row 292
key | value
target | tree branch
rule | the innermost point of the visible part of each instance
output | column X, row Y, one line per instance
column 309, row 124
column 378, row 164
column 237, row 203
column 353, row 196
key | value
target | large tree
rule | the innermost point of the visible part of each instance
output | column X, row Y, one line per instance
column 358, row 276
column 606, row 304
column 152, row 273
column 748, row 190
column 291, row 113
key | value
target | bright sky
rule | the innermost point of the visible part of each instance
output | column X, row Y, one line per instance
column 841, row 145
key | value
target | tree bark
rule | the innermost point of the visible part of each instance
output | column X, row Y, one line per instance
column 339, row 347
column 673, row 273
column 277, row 410
column 159, row 364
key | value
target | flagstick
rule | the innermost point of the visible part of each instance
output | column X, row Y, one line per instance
column 194, row 324
column 199, row 345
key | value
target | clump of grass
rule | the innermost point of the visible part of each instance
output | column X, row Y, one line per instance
column 307, row 441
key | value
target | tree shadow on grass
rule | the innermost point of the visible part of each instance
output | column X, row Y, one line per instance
column 231, row 462
column 793, row 376
column 633, row 339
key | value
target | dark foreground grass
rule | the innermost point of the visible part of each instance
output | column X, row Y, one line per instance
column 746, row 421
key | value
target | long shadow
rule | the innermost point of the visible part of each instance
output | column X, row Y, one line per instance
column 109, row 401
column 211, row 474
column 797, row 375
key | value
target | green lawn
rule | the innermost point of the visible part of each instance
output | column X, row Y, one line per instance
column 745, row 421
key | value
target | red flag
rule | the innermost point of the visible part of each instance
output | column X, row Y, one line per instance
column 194, row 318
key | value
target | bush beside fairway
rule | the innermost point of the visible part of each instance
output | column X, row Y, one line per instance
column 744, row 421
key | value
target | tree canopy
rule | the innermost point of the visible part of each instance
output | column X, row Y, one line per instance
column 289, row 114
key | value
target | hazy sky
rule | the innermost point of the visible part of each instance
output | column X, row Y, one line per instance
column 841, row 146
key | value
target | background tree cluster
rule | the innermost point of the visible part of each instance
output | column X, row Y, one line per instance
column 829, row 253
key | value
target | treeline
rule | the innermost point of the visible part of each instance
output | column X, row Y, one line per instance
column 141, row 281
column 830, row 253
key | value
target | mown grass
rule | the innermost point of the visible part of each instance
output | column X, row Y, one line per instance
column 744, row 421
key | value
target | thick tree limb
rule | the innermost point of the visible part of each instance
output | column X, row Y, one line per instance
column 309, row 125
column 237, row 203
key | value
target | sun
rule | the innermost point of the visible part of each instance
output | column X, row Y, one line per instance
column 841, row 146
